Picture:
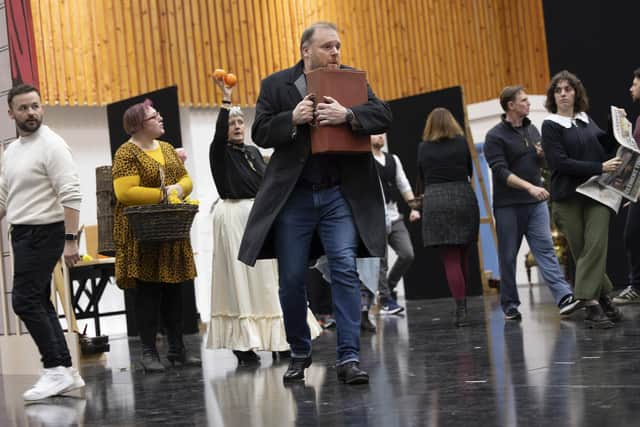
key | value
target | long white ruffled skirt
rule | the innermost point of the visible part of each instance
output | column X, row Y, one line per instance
column 245, row 308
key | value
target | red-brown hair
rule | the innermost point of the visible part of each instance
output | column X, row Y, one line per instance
column 133, row 118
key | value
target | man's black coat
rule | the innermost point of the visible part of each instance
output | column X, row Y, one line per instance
column 359, row 182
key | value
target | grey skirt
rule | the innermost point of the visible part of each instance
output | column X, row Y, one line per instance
column 450, row 214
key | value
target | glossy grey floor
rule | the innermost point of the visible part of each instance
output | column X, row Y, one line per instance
column 542, row 371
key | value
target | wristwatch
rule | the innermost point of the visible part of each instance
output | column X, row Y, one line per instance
column 70, row 236
column 349, row 116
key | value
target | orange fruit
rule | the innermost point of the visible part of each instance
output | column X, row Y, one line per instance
column 230, row 79
column 219, row 73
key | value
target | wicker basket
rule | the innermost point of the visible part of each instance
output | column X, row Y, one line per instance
column 106, row 204
column 162, row 222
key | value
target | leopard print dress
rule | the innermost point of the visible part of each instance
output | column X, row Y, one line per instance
column 165, row 262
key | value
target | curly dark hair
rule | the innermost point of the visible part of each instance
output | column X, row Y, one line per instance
column 581, row 101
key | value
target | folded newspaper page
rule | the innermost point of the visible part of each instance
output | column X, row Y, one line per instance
column 609, row 188
column 597, row 192
column 622, row 129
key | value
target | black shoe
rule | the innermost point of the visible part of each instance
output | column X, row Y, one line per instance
column 365, row 323
column 350, row 373
column 295, row 371
column 570, row 305
column 512, row 314
column 610, row 310
column 182, row 358
column 247, row 358
column 150, row 361
column 596, row 318
column 461, row 313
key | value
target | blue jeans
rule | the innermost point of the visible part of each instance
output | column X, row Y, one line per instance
column 531, row 221
column 327, row 213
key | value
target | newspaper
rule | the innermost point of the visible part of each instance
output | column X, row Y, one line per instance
column 604, row 195
column 609, row 188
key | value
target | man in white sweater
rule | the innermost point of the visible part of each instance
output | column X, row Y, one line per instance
column 40, row 196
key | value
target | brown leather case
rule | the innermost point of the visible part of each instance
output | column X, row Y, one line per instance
column 349, row 88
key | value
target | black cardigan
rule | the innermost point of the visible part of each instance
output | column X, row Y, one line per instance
column 574, row 154
column 237, row 169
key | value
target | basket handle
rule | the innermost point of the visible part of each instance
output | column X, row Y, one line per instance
column 163, row 188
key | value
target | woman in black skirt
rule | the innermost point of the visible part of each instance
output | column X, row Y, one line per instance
column 450, row 214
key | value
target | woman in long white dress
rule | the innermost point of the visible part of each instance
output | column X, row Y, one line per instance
column 245, row 308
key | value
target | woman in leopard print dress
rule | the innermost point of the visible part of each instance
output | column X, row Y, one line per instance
column 156, row 270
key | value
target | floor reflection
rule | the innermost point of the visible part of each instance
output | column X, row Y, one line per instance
column 424, row 372
column 58, row 411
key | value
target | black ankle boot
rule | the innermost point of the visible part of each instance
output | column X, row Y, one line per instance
column 596, row 318
column 181, row 357
column 366, row 324
column 150, row 361
column 461, row 313
column 610, row 310
column 247, row 358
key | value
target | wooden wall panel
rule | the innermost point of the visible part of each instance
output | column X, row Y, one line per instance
column 99, row 51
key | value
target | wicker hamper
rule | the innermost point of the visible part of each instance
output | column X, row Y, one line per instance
column 106, row 203
column 161, row 222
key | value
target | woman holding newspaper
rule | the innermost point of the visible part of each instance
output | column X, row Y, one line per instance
column 577, row 149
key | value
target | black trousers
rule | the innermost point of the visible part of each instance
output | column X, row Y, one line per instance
column 632, row 243
column 36, row 249
column 155, row 301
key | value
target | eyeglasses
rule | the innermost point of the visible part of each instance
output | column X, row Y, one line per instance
column 155, row 116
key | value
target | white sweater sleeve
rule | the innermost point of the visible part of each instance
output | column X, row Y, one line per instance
column 63, row 175
column 3, row 195
column 401, row 178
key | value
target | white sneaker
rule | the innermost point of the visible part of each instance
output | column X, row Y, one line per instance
column 52, row 382
column 78, row 382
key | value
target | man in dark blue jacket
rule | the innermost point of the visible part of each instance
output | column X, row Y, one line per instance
column 512, row 149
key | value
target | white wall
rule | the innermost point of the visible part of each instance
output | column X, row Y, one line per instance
column 485, row 115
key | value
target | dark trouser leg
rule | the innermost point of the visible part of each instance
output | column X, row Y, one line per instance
column 148, row 298
column 383, row 283
column 171, row 311
column 36, row 250
column 340, row 240
column 632, row 243
column 400, row 242
column 509, row 228
column 293, row 231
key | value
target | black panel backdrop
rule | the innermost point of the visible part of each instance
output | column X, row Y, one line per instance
column 166, row 102
column 426, row 278
column 595, row 40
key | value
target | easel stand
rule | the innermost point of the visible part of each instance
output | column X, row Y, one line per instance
column 488, row 219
